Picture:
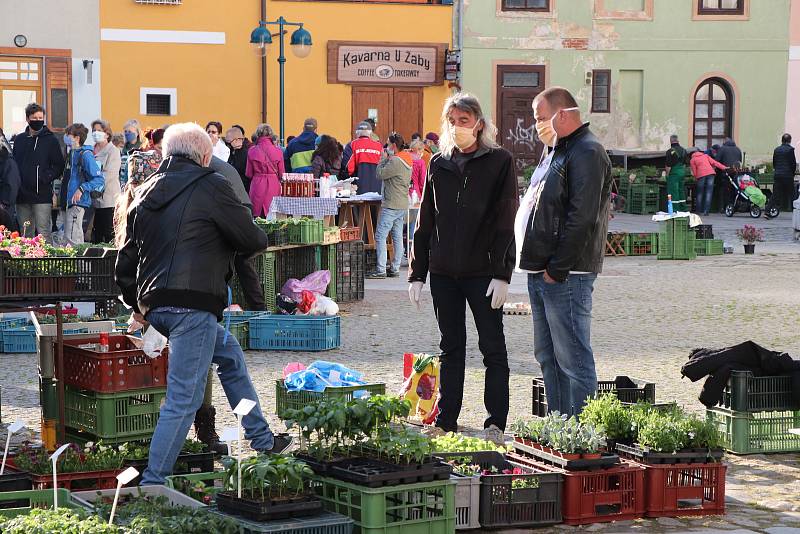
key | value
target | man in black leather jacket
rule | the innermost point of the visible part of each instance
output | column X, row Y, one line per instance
column 563, row 246
column 785, row 164
column 183, row 228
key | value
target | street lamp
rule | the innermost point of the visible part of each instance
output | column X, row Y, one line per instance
column 300, row 41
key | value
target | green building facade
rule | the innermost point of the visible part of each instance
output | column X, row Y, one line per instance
column 640, row 69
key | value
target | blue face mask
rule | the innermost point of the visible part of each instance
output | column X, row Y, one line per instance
column 67, row 140
column 130, row 137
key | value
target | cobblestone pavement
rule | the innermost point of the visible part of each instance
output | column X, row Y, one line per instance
column 647, row 316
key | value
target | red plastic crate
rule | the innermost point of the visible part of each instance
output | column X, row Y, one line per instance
column 88, row 480
column 684, row 489
column 350, row 234
column 123, row 368
column 598, row 496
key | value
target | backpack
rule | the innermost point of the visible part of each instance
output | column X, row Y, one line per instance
column 94, row 194
column 142, row 165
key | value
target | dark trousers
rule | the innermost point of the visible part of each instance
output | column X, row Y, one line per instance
column 450, row 297
column 722, row 190
column 251, row 285
column 783, row 193
column 103, row 231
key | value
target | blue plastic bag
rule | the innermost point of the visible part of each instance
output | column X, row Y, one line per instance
column 321, row 374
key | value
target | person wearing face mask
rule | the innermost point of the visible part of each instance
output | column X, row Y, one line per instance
column 465, row 240
column 108, row 158
column 9, row 185
column 239, row 147
column 214, row 131
column 561, row 229
column 40, row 161
column 135, row 141
column 85, row 178
column 394, row 171
column 182, row 294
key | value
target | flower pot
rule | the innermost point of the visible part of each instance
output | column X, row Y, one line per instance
column 750, row 248
column 570, row 456
column 591, row 456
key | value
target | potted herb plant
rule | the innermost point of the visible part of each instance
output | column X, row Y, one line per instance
column 273, row 487
column 750, row 235
column 193, row 458
column 93, row 467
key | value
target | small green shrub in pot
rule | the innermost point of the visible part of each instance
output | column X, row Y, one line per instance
column 611, row 416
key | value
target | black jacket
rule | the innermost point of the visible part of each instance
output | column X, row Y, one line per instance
column 465, row 226
column 40, row 161
column 784, row 161
column 184, row 226
column 729, row 154
column 9, row 180
column 567, row 231
column 717, row 364
column 238, row 159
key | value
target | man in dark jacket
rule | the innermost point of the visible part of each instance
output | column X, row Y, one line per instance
column 785, row 165
column 176, row 281
column 675, row 163
column 40, row 161
column 9, row 185
column 563, row 242
column 465, row 240
column 239, row 147
column 729, row 154
column 300, row 151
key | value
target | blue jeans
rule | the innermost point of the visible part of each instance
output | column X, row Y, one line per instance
column 195, row 342
column 562, row 316
column 391, row 221
column 704, row 192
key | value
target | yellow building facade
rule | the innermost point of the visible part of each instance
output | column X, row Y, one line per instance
column 193, row 61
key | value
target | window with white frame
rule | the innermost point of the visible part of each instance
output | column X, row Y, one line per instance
column 158, row 101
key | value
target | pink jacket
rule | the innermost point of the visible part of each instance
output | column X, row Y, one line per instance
column 264, row 159
column 703, row 165
column 419, row 172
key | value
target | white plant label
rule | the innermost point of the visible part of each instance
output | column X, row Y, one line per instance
column 13, row 428
column 244, row 407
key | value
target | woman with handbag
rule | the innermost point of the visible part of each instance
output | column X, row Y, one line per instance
column 85, row 177
column 265, row 167
column 108, row 159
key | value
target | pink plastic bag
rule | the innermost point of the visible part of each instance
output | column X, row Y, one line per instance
column 292, row 368
column 316, row 282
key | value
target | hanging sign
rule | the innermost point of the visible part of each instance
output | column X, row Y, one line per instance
column 385, row 63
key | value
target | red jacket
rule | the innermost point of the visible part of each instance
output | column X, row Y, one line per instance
column 365, row 150
column 703, row 165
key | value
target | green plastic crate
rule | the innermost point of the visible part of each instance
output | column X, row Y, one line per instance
column 641, row 244
column 15, row 503
column 113, row 416
column 324, row 523
column 746, row 392
column 241, row 331
column 423, row 508
column 287, row 400
column 762, row 432
column 641, row 199
column 708, row 247
column 306, row 231
column 264, row 265
column 675, row 241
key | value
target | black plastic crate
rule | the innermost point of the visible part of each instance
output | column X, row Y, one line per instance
column 371, row 260
column 13, row 480
column 350, row 270
column 704, row 231
column 109, row 308
column 296, row 263
column 627, row 389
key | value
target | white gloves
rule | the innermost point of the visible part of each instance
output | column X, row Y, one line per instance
column 498, row 290
column 414, row 292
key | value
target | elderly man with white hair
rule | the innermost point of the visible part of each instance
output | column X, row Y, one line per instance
column 183, row 229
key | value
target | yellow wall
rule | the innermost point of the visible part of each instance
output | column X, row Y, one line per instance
column 222, row 82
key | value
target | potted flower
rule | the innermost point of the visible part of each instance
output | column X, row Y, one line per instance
column 93, row 467
column 750, row 235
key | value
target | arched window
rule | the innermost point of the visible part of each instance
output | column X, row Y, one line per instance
column 713, row 113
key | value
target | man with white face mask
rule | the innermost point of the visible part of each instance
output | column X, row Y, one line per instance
column 465, row 239
column 561, row 235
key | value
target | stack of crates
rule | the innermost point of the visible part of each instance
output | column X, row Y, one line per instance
column 17, row 336
column 350, row 270
column 709, row 247
column 641, row 244
column 675, row 240
column 265, row 267
column 756, row 414
column 642, row 199
column 111, row 395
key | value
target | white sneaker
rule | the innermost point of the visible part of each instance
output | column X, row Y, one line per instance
column 495, row 435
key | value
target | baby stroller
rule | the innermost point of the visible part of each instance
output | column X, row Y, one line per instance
column 742, row 202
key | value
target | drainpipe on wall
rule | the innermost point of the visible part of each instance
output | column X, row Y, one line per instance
column 263, row 70
column 458, row 42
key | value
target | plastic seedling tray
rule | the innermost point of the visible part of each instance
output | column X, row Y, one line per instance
column 686, row 456
column 270, row 508
column 528, row 449
column 374, row 473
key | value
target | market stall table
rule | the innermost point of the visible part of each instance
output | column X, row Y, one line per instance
column 315, row 207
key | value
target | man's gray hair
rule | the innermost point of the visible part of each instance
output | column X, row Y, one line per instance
column 363, row 129
column 187, row 139
column 673, row 138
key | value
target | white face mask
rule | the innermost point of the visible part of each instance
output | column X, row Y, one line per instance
column 99, row 136
column 547, row 131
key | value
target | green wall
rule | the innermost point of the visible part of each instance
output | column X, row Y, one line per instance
column 655, row 65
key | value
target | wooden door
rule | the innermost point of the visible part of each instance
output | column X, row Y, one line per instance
column 376, row 102
column 517, row 86
column 408, row 111
column 59, row 99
